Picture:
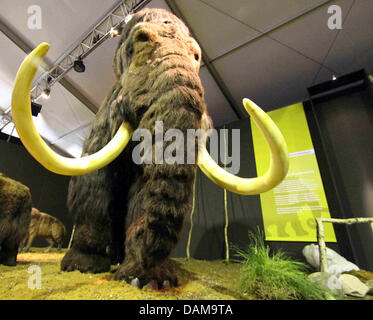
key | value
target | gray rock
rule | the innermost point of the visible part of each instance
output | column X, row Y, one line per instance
column 135, row 283
column 352, row 286
column 336, row 263
column 370, row 285
column 328, row 281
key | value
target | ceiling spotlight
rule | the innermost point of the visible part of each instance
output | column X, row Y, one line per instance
column 96, row 38
column 35, row 108
column 128, row 18
column 114, row 32
column 334, row 77
column 46, row 93
column 79, row 65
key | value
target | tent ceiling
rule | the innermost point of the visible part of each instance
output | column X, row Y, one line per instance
column 269, row 51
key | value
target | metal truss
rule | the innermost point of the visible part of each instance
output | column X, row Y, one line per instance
column 89, row 41
column 5, row 120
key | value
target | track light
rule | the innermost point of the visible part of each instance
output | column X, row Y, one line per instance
column 114, row 32
column 334, row 77
column 46, row 93
column 128, row 18
column 96, row 38
column 35, row 108
column 79, row 65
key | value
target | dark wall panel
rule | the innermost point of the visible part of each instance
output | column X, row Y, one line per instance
column 345, row 126
column 48, row 190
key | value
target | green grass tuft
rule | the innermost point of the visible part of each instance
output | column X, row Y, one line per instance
column 274, row 276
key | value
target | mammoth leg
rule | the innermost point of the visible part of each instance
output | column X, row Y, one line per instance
column 12, row 239
column 9, row 251
column 158, row 209
column 88, row 252
column 51, row 243
column 163, row 202
column 89, row 198
column 116, row 249
column 59, row 244
column 30, row 241
column 92, row 199
column 122, row 172
column 23, row 244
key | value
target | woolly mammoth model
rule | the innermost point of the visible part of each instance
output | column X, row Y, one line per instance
column 45, row 226
column 156, row 65
column 15, row 208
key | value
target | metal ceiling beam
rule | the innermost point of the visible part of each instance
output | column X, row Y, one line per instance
column 27, row 47
column 211, row 68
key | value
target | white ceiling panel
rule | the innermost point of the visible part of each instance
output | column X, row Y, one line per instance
column 98, row 77
column 63, row 22
column 61, row 113
column 268, row 73
column 73, row 143
column 215, row 31
column 10, row 60
column 10, row 130
column 245, row 19
column 353, row 48
column 309, row 34
column 158, row 4
column 217, row 106
column 261, row 15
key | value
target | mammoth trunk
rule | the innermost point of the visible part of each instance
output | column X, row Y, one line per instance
column 166, row 183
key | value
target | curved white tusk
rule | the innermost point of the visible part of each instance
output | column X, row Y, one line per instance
column 279, row 164
column 21, row 113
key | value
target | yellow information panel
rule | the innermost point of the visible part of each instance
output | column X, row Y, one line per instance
column 290, row 209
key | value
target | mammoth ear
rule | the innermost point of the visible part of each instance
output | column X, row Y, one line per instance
column 117, row 63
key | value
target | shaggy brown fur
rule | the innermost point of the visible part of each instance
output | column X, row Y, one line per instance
column 15, row 208
column 156, row 64
column 45, row 226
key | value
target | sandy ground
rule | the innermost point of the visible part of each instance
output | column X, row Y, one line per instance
column 198, row 280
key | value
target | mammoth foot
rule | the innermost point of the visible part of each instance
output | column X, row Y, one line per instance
column 159, row 277
column 8, row 259
column 85, row 263
column 8, row 256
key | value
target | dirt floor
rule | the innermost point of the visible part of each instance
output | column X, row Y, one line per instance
column 198, row 280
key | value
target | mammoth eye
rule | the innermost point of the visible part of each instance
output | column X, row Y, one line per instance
column 129, row 50
column 166, row 21
column 142, row 37
column 196, row 56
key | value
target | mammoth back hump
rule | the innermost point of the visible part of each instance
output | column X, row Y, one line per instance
column 15, row 197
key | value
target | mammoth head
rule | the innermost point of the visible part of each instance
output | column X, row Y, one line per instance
column 155, row 54
column 152, row 36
